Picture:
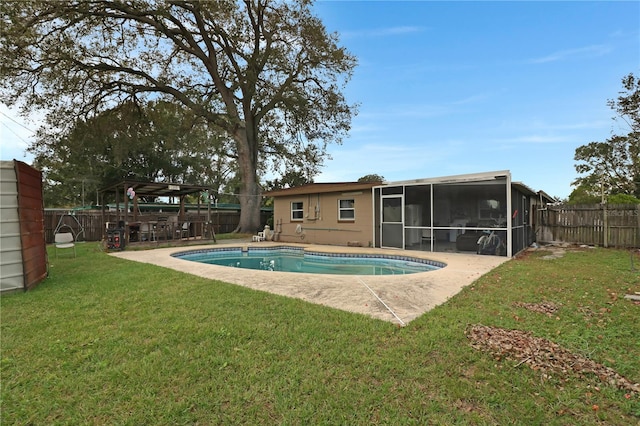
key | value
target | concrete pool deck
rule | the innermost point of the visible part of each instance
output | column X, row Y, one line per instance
column 395, row 298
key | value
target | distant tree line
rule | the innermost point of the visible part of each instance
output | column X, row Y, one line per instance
column 610, row 170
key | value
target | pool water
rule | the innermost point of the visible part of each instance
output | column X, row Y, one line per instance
column 286, row 259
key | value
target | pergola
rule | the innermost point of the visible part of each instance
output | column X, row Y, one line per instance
column 125, row 188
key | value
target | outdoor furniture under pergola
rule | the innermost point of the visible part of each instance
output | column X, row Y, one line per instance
column 150, row 227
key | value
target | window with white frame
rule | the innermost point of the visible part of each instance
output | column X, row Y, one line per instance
column 346, row 209
column 297, row 212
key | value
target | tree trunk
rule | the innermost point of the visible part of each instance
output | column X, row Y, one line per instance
column 250, row 192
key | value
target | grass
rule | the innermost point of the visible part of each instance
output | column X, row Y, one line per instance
column 109, row 341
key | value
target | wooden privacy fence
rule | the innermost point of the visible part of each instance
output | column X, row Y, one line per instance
column 612, row 225
column 88, row 226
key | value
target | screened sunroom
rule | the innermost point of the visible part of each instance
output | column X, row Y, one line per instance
column 484, row 213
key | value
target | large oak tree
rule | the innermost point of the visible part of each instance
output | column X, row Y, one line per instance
column 265, row 72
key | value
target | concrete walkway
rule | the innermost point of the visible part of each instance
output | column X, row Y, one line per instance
column 395, row 298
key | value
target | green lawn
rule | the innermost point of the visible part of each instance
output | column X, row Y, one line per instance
column 108, row 341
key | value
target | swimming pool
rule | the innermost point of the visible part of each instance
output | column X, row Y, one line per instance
column 294, row 259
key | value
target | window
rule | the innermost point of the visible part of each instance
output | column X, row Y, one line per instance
column 297, row 212
column 346, row 210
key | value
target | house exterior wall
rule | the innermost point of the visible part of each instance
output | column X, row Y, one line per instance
column 320, row 223
column 485, row 213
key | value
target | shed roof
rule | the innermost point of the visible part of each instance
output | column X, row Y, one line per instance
column 523, row 188
column 546, row 197
column 157, row 189
column 317, row 188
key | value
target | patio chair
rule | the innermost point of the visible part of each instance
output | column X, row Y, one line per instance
column 183, row 231
column 148, row 232
column 163, row 228
column 65, row 240
column 426, row 238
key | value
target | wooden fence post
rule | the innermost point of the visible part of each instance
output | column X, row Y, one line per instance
column 636, row 235
column 606, row 227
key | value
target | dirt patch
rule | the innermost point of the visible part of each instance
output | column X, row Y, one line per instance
column 541, row 355
column 558, row 250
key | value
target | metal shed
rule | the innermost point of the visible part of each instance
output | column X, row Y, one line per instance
column 23, row 254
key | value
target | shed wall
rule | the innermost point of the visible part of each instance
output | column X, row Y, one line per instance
column 11, row 270
column 31, row 214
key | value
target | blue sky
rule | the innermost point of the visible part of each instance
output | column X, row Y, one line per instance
column 449, row 88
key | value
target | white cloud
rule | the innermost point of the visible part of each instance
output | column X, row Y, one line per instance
column 588, row 51
column 383, row 32
column 539, row 139
column 409, row 111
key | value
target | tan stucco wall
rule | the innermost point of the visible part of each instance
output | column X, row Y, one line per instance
column 324, row 227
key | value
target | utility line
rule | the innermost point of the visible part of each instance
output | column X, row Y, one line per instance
column 18, row 123
column 17, row 135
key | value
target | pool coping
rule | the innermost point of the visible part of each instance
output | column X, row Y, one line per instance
column 307, row 252
column 395, row 298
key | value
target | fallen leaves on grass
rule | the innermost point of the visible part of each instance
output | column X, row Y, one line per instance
column 544, row 308
column 541, row 354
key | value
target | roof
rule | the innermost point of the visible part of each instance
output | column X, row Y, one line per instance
column 523, row 188
column 157, row 189
column 318, row 188
column 479, row 178
column 470, row 177
column 546, row 197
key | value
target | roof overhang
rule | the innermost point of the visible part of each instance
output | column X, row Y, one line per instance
column 322, row 188
column 471, row 177
column 523, row 188
column 546, row 198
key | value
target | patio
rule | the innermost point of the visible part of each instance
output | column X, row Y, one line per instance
column 405, row 297
column 135, row 227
